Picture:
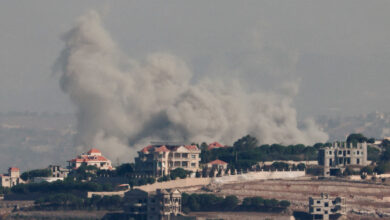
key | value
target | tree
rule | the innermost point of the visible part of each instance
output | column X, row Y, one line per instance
column 257, row 202
column 230, row 202
column 284, row 203
column 301, row 166
column 125, row 169
column 178, row 172
column 29, row 175
column 356, row 138
column 245, row 143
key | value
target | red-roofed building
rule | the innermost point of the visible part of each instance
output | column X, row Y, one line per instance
column 159, row 160
column 12, row 178
column 217, row 164
column 92, row 158
column 214, row 146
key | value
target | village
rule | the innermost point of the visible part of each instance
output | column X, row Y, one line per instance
column 167, row 180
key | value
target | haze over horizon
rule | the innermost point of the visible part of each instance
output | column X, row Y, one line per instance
column 260, row 67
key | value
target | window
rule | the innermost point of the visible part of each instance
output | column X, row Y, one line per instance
column 184, row 163
column 357, row 152
column 326, row 212
column 318, row 201
column 326, row 204
column 193, row 156
column 177, row 164
column 184, row 155
column 357, row 161
column 318, row 209
column 348, row 152
column 177, row 155
column 340, row 152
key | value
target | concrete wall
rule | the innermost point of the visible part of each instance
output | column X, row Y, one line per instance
column 188, row 182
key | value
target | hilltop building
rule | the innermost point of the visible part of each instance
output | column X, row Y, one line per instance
column 57, row 173
column 161, row 204
column 342, row 154
column 12, row 178
column 215, row 145
column 92, row 158
column 322, row 207
column 159, row 160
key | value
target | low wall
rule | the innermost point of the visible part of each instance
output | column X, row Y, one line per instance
column 102, row 194
column 188, row 182
column 263, row 175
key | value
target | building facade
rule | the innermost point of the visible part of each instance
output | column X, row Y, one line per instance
column 324, row 206
column 161, row 204
column 342, row 154
column 160, row 160
column 58, row 171
column 217, row 164
column 12, row 178
column 92, row 158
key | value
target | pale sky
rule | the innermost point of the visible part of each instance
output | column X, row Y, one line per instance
column 338, row 51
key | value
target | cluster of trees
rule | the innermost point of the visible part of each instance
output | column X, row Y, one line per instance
column 29, row 175
column 61, row 187
column 71, row 201
column 210, row 202
column 176, row 173
column 245, row 153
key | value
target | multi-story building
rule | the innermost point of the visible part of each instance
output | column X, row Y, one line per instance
column 161, row 204
column 159, row 160
column 322, row 207
column 92, row 158
column 342, row 154
column 58, row 171
column 12, row 178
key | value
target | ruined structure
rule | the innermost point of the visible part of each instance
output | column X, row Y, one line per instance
column 342, row 154
column 161, row 204
column 322, row 207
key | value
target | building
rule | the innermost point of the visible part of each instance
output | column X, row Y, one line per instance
column 217, row 164
column 322, row 207
column 161, row 204
column 215, row 145
column 92, row 158
column 12, row 178
column 342, row 154
column 58, row 171
column 159, row 160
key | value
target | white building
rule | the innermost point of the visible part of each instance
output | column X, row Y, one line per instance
column 12, row 178
column 92, row 158
column 159, row 160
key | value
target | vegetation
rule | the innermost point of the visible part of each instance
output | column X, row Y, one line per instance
column 60, row 187
column 245, row 153
column 29, row 175
column 69, row 201
column 210, row 202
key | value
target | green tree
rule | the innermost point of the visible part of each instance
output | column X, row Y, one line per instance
column 179, row 172
column 230, row 202
column 29, row 175
column 356, row 138
column 245, row 143
column 284, row 203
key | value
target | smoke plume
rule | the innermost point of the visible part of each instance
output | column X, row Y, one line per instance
column 123, row 102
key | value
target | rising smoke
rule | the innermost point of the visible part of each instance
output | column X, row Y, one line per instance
column 123, row 102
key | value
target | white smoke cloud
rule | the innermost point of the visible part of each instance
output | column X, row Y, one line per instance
column 123, row 102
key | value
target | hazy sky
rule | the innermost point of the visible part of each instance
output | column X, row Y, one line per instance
column 338, row 51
